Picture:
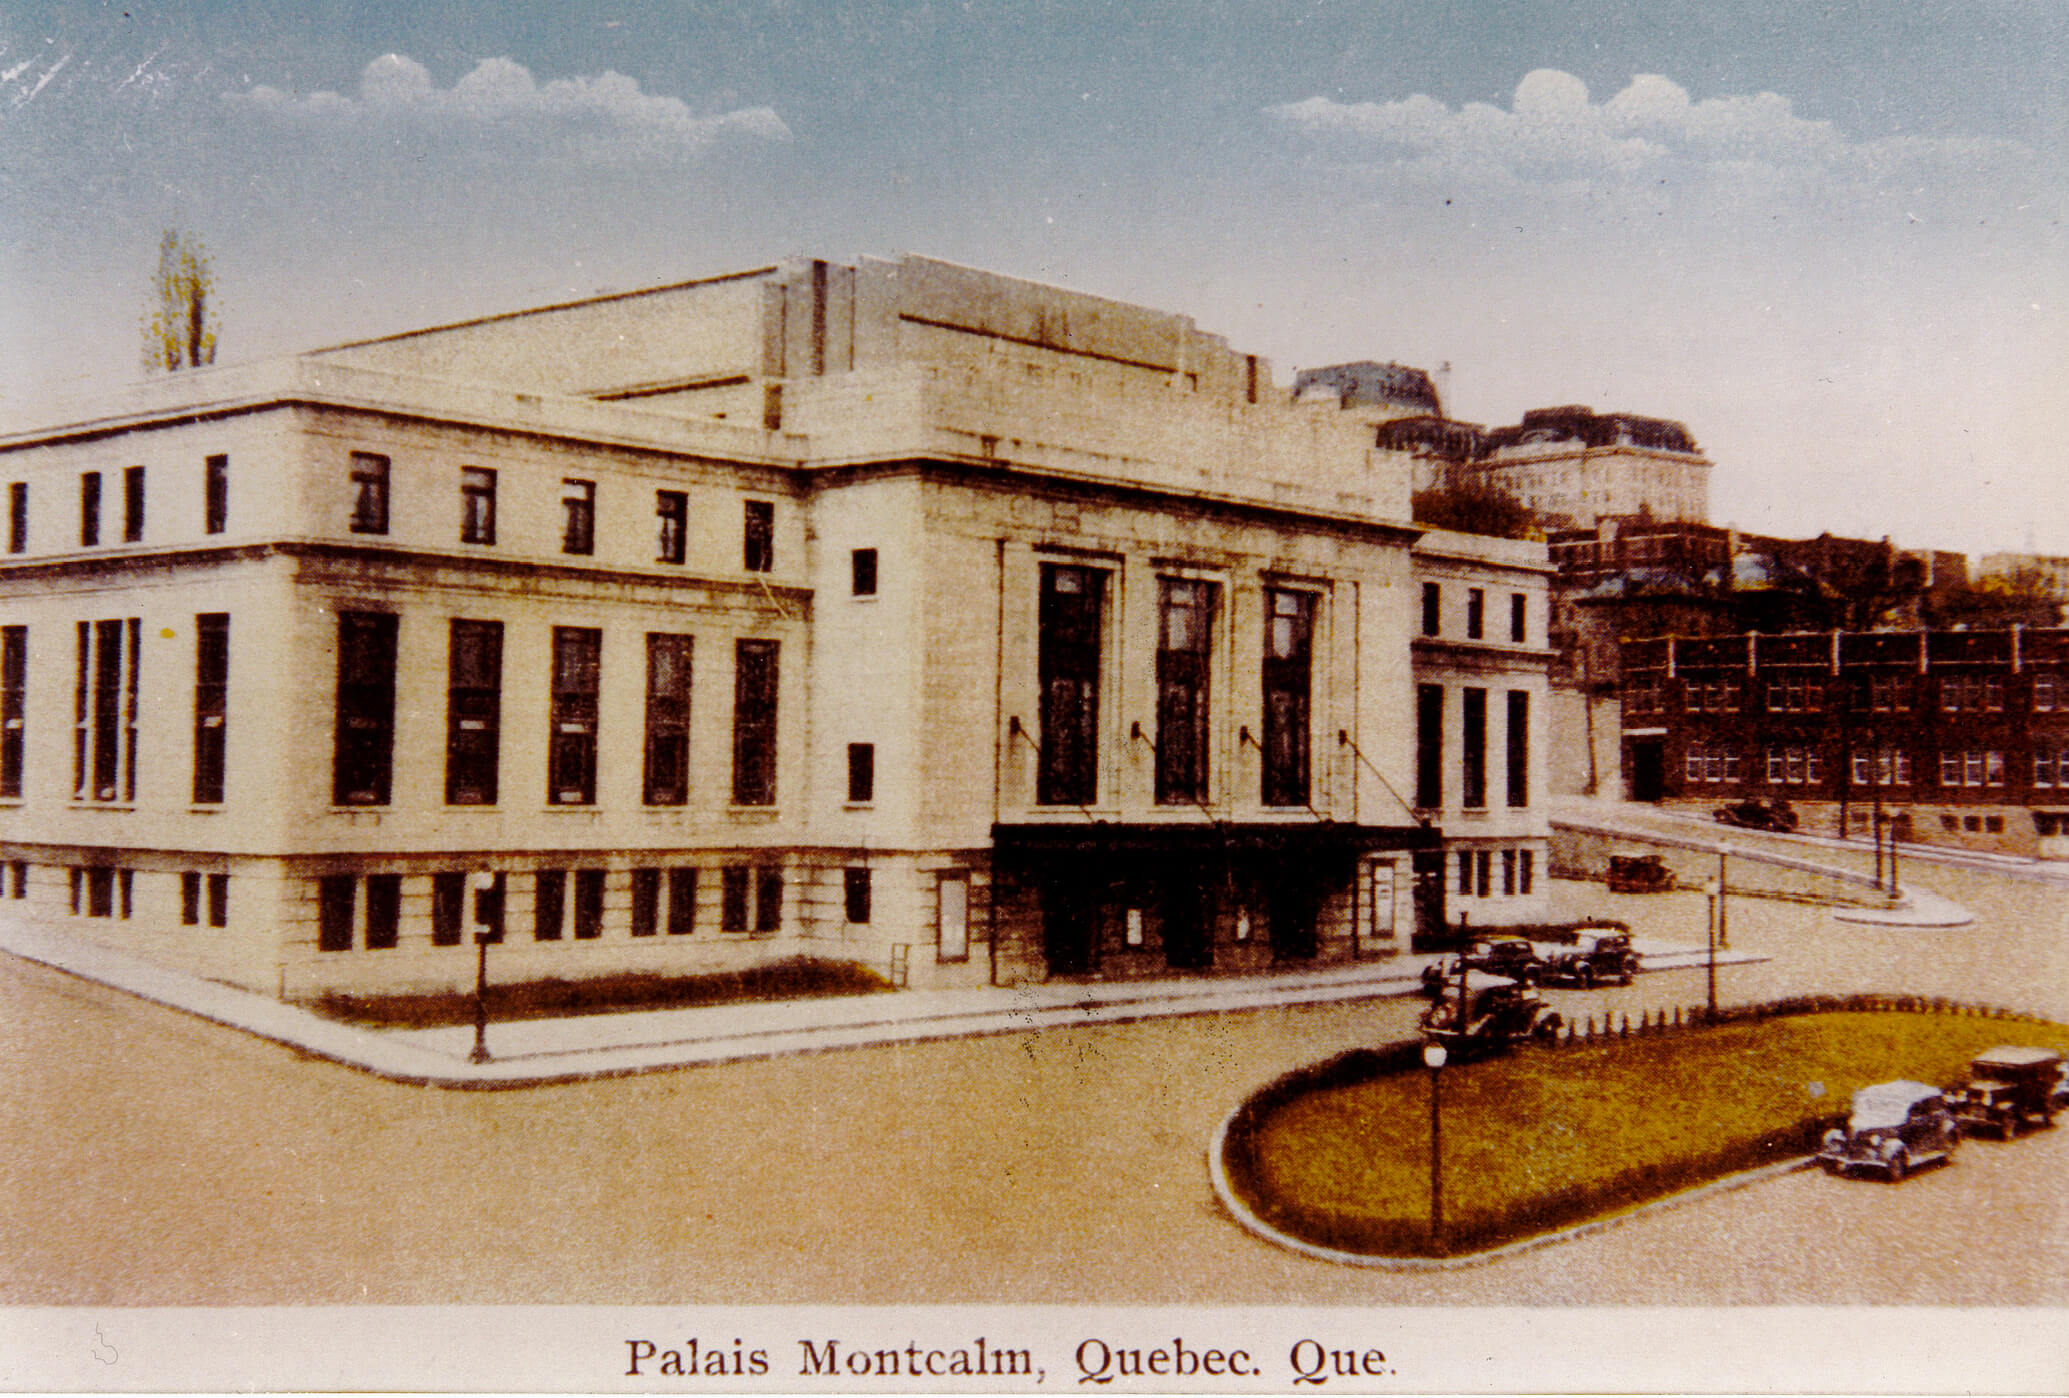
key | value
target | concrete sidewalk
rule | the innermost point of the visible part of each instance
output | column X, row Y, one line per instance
column 571, row 1048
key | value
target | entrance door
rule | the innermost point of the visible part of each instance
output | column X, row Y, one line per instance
column 1429, row 900
column 1187, row 946
column 1648, row 769
column 1070, row 922
column 1292, row 904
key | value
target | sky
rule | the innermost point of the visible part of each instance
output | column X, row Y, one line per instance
column 1827, row 235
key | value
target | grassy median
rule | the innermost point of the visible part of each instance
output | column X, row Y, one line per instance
column 1544, row 1138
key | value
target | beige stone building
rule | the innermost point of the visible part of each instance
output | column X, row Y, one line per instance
column 967, row 628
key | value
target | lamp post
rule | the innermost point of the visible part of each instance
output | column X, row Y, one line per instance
column 1723, row 931
column 1433, row 1056
column 1715, row 889
column 484, row 886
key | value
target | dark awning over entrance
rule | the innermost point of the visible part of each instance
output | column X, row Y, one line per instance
column 1315, row 840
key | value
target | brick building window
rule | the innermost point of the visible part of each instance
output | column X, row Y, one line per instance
column 1711, row 762
column 369, row 493
column 571, row 741
column 1288, row 680
column 666, row 776
column 364, row 727
column 1070, row 625
column 474, row 706
column 477, row 505
column 211, row 705
column 755, row 673
column 1184, row 646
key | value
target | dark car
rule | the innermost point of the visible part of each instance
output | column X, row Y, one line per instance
column 2009, row 1089
column 1598, row 954
column 1639, row 873
column 1489, row 1012
column 1755, row 814
column 1895, row 1127
column 1514, row 957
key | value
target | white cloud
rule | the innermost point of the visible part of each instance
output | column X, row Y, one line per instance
column 603, row 117
column 1554, row 132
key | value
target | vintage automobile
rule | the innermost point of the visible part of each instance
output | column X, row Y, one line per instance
column 1597, row 954
column 1895, row 1127
column 1514, row 957
column 2009, row 1089
column 1496, row 1012
column 1639, row 873
column 1755, row 814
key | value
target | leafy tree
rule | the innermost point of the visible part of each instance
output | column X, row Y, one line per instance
column 2023, row 598
column 179, row 328
column 1473, row 506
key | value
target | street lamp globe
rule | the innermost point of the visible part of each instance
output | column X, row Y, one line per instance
column 1433, row 1055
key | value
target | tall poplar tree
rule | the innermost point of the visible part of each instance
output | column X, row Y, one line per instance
column 178, row 326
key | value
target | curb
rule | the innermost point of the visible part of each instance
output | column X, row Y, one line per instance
column 1217, row 1172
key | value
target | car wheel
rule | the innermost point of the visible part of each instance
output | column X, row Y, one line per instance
column 1547, row 1029
column 1830, row 1167
column 1899, row 1166
column 1586, row 976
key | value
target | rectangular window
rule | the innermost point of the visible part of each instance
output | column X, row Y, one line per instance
column 1476, row 613
column 1518, row 605
column 1526, row 869
column 1519, row 747
column 732, row 903
column 666, row 778
column 768, row 900
column 190, row 899
column 1993, row 768
column 1429, row 746
column 14, row 689
column 104, row 738
column 682, row 901
column 759, row 551
column 364, row 737
column 1483, row 865
column 132, row 504
column 1993, row 694
column 477, row 505
column 646, row 902
column 1508, row 873
column 383, row 911
column 952, row 893
column 1288, row 681
column 571, row 745
column 369, row 493
column 861, row 773
column 1184, row 646
column 672, row 523
column 215, row 493
column 1432, row 609
column 17, row 878
column 549, row 904
column 754, row 722
column 211, row 704
column 100, row 892
column 578, row 517
column 588, row 904
column 77, row 874
column 2044, row 767
column 89, row 509
column 862, row 572
column 125, row 889
column 855, row 894
column 448, row 907
column 1465, row 873
column 18, row 517
column 2044, row 687
column 1972, row 769
column 1473, row 748
column 1070, row 626
column 473, row 712
column 1950, row 769
column 335, row 894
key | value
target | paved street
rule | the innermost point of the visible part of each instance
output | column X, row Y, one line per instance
column 153, row 1159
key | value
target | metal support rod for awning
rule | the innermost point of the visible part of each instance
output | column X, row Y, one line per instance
column 1016, row 729
column 1343, row 740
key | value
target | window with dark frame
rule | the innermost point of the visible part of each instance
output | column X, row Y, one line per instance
column 646, row 902
column 1429, row 746
column 768, row 900
column 666, row 777
column 549, row 904
column 383, row 911
column 1517, row 613
column 190, row 898
column 473, row 712
column 1465, row 873
column 14, row 689
column 477, row 505
column 336, row 896
column 862, row 572
column 571, row 774
column 855, row 894
column 89, row 509
column 18, row 517
column 100, row 891
column 17, row 878
column 1473, row 747
column 1508, row 873
column 1432, row 609
column 672, row 524
column 1287, row 681
column 861, row 773
column 132, row 504
column 1483, row 865
column 215, row 495
column 1518, row 734
column 211, row 705
column 1476, row 613
column 754, row 722
column 588, row 904
column 369, row 493
column 1070, row 626
column 364, row 728
column 734, row 891
column 104, row 735
column 682, row 901
column 125, row 891
column 1526, row 862
column 448, row 907
column 578, row 517
column 759, row 544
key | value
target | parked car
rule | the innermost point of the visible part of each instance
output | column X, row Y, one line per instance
column 1756, row 814
column 1639, row 873
column 1496, row 1012
column 1514, row 957
column 2009, row 1089
column 1895, row 1127
column 1599, row 954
